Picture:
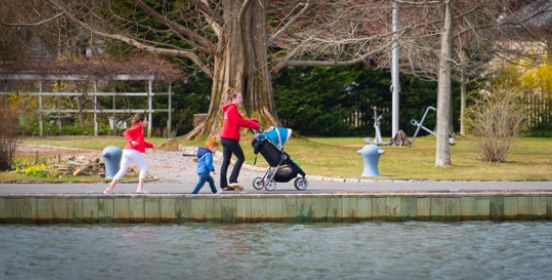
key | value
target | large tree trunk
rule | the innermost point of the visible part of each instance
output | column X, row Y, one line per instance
column 241, row 63
column 442, row 150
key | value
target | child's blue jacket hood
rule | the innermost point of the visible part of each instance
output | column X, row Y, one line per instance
column 205, row 163
column 202, row 151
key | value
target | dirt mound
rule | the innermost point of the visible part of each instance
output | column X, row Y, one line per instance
column 171, row 145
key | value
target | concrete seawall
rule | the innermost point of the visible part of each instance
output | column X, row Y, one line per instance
column 293, row 208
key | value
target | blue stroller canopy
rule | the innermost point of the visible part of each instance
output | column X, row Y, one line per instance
column 277, row 135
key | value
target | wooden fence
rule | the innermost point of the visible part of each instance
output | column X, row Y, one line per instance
column 539, row 106
column 358, row 118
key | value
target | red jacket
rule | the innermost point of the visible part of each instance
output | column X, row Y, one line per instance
column 233, row 120
column 136, row 133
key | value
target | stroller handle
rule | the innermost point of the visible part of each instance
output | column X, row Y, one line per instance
column 255, row 131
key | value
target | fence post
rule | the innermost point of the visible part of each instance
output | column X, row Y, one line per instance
column 95, row 106
column 58, row 105
column 40, row 121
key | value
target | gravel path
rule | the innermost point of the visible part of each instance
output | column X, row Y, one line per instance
column 169, row 166
column 165, row 166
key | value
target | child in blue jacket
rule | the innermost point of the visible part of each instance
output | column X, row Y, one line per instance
column 205, row 165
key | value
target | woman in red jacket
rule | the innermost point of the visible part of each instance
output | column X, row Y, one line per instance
column 230, row 139
column 135, row 146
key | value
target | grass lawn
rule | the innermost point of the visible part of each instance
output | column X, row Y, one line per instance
column 85, row 142
column 530, row 159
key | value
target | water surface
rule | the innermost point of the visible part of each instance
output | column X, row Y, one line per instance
column 412, row 250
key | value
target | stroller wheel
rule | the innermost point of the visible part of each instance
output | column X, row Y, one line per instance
column 301, row 183
column 258, row 183
column 270, row 186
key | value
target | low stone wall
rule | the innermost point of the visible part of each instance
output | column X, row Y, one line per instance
column 293, row 208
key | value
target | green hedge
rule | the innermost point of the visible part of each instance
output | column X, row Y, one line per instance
column 542, row 129
column 316, row 101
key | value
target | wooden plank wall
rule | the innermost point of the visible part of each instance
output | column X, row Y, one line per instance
column 272, row 208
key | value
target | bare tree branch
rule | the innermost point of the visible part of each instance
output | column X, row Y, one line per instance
column 422, row 2
column 335, row 62
column 212, row 18
column 289, row 23
column 33, row 23
column 135, row 23
column 190, row 54
column 203, row 43
column 282, row 63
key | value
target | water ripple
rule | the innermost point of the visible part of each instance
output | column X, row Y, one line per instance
column 413, row 250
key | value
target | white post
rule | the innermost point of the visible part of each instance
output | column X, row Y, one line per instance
column 169, row 122
column 95, row 106
column 149, row 107
column 40, row 122
column 395, row 87
column 57, row 107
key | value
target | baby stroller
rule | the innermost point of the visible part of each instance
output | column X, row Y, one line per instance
column 270, row 144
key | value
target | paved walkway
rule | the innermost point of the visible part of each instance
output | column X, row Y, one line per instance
column 177, row 174
column 314, row 187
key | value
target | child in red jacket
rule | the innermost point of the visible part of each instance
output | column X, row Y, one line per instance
column 230, row 139
column 135, row 146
